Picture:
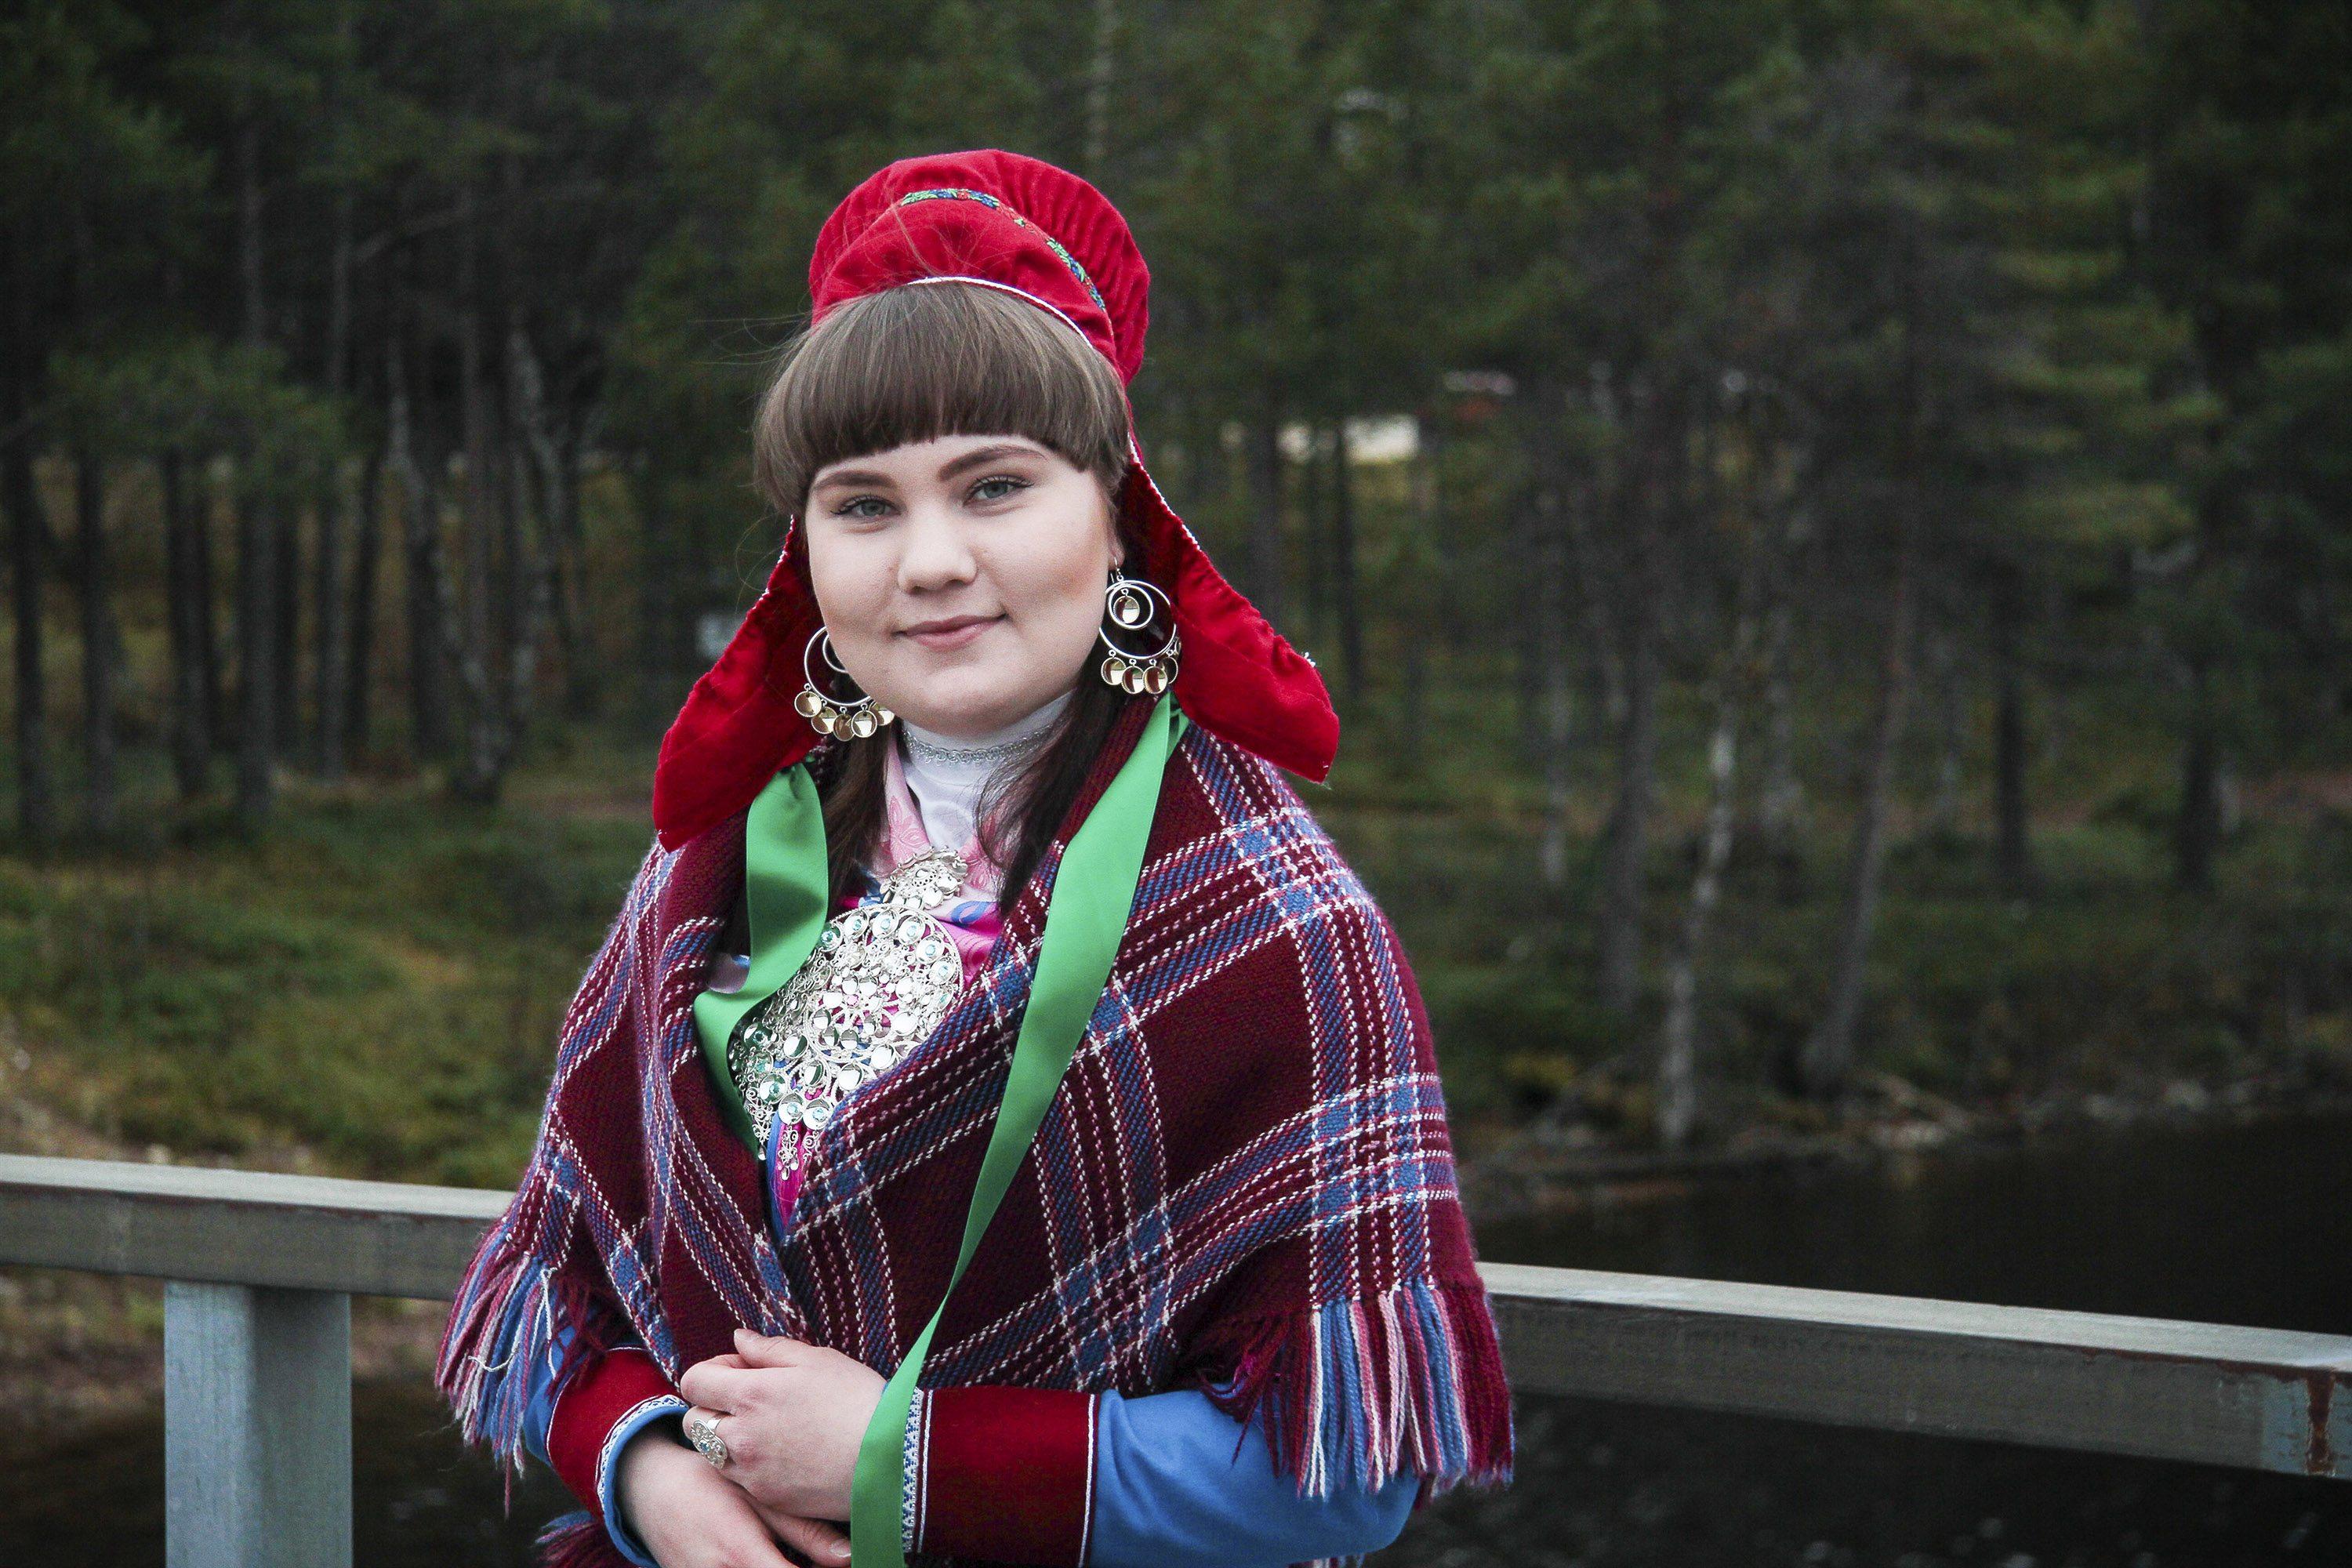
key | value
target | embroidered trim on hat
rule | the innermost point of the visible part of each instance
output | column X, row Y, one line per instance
column 961, row 193
column 1039, row 300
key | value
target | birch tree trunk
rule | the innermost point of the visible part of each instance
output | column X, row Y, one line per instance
column 1677, row 1078
column 1678, row 1037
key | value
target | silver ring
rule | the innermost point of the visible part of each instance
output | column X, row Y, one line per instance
column 703, row 1432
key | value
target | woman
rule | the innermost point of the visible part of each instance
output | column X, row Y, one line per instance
column 1056, row 1067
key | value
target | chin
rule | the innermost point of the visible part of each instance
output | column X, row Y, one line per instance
column 951, row 706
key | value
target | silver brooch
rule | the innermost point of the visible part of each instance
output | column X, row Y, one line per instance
column 881, row 978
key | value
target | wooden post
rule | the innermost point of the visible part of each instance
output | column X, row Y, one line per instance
column 256, row 1427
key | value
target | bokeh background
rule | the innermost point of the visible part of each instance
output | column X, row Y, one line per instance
column 1824, row 520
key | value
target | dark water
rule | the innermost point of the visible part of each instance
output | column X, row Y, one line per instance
column 2243, row 1224
column 2249, row 1225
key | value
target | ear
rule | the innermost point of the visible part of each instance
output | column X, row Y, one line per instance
column 1110, row 520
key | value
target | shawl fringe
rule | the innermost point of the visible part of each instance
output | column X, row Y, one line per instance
column 577, row 1540
column 511, row 1307
column 1355, row 1391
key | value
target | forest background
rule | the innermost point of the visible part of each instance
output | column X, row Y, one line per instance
column 1823, row 520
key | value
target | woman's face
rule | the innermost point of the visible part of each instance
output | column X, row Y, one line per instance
column 1007, row 540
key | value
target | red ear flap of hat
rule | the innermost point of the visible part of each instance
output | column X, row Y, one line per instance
column 738, row 726
column 1235, row 676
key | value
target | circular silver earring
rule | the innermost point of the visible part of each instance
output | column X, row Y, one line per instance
column 829, row 715
column 1127, row 603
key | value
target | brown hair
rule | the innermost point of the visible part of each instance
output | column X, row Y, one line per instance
column 911, row 363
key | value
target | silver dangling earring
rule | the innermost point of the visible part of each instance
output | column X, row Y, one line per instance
column 1125, row 605
column 831, row 715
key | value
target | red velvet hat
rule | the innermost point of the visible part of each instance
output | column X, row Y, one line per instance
column 1040, row 232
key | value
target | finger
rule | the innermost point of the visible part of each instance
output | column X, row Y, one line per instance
column 821, row 1541
column 754, row 1545
column 720, row 1387
column 730, row 1361
column 763, row 1349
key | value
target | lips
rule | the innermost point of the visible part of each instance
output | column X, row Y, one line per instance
column 952, row 632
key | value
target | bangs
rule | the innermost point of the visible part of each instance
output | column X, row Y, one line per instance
column 922, row 361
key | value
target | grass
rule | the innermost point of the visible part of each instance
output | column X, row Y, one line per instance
column 371, row 988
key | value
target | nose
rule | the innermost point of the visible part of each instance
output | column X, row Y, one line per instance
column 935, row 554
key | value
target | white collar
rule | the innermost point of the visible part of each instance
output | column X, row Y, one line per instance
column 946, row 773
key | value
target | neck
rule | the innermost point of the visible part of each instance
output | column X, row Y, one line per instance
column 938, row 746
column 946, row 773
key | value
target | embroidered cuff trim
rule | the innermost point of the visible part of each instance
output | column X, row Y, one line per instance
column 633, row 1420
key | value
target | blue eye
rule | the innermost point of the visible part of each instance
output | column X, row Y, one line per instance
column 1018, row 485
column 848, row 508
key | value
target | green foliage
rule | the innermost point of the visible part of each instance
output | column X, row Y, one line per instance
column 379, row 983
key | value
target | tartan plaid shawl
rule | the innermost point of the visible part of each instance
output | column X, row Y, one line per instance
column 1245, row 1179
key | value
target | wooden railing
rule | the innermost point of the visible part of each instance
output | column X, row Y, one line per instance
column 260, row 1270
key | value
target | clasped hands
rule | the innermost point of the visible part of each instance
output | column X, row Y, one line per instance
column 793, row 1416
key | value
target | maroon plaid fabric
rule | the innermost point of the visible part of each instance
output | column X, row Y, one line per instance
column 1244, row 1184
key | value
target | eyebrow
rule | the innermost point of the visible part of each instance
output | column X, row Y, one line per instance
column 947, row 469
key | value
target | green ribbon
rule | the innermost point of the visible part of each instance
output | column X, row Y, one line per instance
column 785, row 890
column 1085, row 915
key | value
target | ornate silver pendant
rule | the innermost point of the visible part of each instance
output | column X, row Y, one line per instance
column 882, row 976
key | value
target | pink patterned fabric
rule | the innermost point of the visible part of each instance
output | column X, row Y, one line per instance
column 971, row 916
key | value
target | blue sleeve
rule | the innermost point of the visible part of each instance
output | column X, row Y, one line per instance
column 1181, row 1484
column 538, row 1414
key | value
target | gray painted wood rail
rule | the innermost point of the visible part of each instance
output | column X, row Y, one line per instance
column 262, row 1268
